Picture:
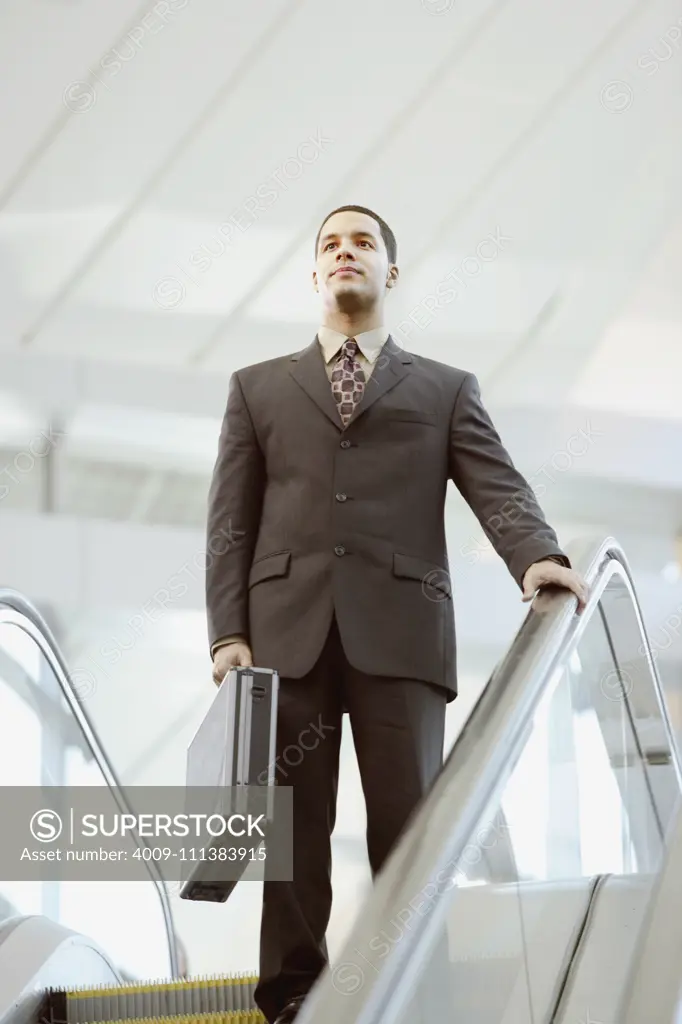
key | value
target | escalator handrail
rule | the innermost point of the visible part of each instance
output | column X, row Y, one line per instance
column 362, row 984
column 17, row 610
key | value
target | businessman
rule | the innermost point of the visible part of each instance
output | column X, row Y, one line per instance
column 330, row 480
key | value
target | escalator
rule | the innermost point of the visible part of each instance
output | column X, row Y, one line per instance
column 70, row 951
column 567, row 766
column 531, row 886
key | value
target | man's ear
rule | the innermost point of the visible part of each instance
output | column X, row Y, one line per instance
column 315, row 281
column 393, row 275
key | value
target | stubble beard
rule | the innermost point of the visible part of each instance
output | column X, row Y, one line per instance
column 350, row 302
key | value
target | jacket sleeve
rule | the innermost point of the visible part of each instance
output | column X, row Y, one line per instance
column 497, row 493
column 225, row 640
column 235, row 501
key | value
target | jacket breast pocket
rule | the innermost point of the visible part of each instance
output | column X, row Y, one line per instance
column 269, row 566
column 435, row 581
column 412, row 416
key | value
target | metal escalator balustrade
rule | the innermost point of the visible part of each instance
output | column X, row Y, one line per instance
column 654, row 991
column 50, row 741
column 568, row 768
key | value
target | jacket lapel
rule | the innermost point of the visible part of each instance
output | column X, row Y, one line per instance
column 308, row 370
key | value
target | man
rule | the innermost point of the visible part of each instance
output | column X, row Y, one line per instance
column 330, row 486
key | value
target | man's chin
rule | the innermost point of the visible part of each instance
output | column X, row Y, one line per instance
column 351, row 300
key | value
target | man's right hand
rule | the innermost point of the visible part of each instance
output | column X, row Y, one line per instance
column 234, row 655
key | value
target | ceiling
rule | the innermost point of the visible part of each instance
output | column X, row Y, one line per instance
column 143, row 140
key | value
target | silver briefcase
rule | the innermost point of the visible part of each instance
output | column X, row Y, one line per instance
column 233, row 750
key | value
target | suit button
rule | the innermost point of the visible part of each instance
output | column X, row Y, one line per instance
column 341, row 497
column 339, row 549
column 345, row 444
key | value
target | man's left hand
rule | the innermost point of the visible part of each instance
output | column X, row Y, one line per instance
column 541, row 573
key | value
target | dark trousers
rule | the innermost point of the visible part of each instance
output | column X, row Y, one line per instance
column 398, row 730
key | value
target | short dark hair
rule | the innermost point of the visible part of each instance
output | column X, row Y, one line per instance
column 386, row 233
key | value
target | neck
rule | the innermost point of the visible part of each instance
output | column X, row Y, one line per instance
column 352, row 325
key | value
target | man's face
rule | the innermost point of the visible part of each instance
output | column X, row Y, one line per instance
column 352, row 267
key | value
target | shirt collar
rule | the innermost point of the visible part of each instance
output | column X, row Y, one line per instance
column 370, row 343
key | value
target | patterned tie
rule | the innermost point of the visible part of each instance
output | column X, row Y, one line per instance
column 348, row 380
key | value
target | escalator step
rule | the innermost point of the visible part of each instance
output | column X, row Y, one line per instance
column 191, row 999
column 233, row 1017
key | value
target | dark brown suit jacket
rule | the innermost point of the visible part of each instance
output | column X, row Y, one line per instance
column 307, row 517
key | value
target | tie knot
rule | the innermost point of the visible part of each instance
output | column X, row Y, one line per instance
column 350, row 347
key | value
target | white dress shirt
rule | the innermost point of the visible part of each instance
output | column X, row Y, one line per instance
column 370, row 344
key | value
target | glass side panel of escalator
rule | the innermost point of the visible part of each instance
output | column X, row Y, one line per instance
column 589, row 792
column 43, row 745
